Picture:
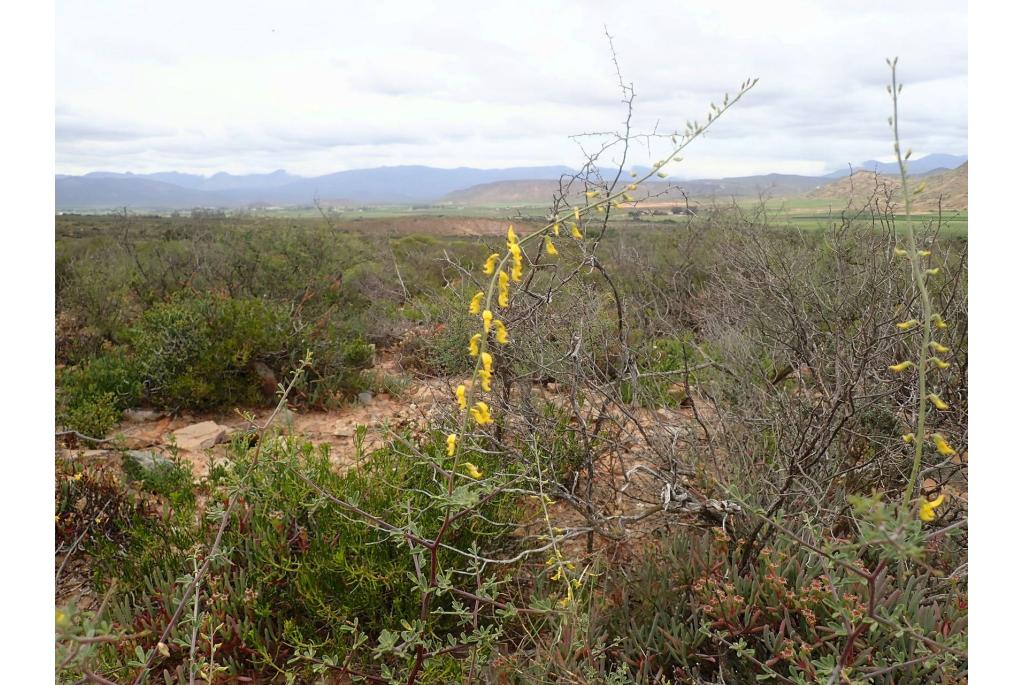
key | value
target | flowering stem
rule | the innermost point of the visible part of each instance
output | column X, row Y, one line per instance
column 926, row 305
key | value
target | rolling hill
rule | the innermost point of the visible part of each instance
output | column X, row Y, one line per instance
column 947, row 189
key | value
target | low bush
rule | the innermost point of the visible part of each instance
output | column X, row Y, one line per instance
column 297, row 576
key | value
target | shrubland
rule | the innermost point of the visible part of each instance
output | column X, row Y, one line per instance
column 695, row 451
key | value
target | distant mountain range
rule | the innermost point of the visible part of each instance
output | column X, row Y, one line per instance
column 399, row 184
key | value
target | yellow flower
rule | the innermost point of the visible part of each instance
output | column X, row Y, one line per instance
column 906, row 325
column 902, row 366
column 474, row 344
column 481, row 413
column 555, row 228
column 549, row 247
column 510, row 237
column 460, row 393
column 487, row 316
column 899, row 252
column 517, row 261
column 618, row 205
column 487, row 360
column 938, row 322
column 576, row 213
column 631, row 186
column 576, row 232
column 474, row 304
column 662, row 174
column 485, row 379
column 500, row 332
column 591, row 193
column 908, row 438
column 502, row 289
column 472, row 470
column 932, row 272
column 942, row 446
column 491, row 262
column 627, row 197
column 924, row 253
column 77, row 476
column 633, row 174
column 939, row 364
column 938, row 347
column 937, row 402
column 452, row 441
column 557, row 575
column 927, row 512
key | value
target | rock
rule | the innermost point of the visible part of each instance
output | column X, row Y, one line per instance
column 200, row 436
column 141, row 415
column 285, row 419
column 268, row 381
column 365, row 397
column 147, row 459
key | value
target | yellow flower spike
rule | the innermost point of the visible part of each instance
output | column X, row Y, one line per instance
column 556, row 228
column 938, row 348
column 491, row 263
column 500, row 332
column 942, row 446
column 502, row 289
column 549, row 246
column 487, row 360
column 924, row 253
column 908, row 438
column 474, row 344
column 938, row 363
column 474, row 304
column 576, row 213
column 907, row 325
column 901, row 367
column 932, row 272
column 472, row 470
column 937, row 402
column 576, row 232
column 927, row 511
column 481, row 413
column 487, row 317
column 938, row 322
column 452, row 441
column 460, row 394
column 899, row 252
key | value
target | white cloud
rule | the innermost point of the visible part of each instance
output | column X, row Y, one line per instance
column 315, row 87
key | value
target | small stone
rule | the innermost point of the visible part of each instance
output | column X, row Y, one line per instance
column 284, row 419
column 200, row 436
column 141, row 415
column 365, row 397
column 147, row 459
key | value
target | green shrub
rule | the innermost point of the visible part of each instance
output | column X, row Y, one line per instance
column 298, row 573
column 688, row 610
column 91, row 397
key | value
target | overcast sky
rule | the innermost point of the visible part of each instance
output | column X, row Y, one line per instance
column 316, row 87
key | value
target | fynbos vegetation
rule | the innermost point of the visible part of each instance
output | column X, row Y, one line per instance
column 705, row 449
